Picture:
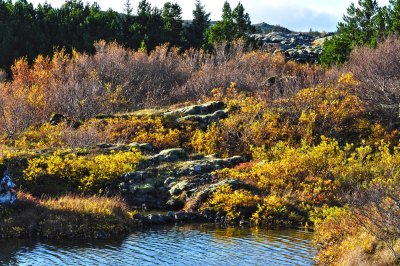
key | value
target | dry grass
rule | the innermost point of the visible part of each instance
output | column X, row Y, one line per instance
column 65, row 217
column 366, row 250
column 97, row 205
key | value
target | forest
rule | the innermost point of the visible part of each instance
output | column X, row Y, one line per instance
column 101, row 98
column 28, row 31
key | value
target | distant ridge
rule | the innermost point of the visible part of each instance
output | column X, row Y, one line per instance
column 260, row 27
column 266, row 28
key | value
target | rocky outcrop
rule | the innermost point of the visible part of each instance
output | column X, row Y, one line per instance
column 204, row 114
column 302, row 48
column 7, row 193
column 172, row 178
column 304, row 54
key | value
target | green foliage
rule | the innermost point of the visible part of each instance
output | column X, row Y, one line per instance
column 233, row 25
column 28, row 31
column 173, row 27
column 363, row 25
column 200, row 24
column 336, row 50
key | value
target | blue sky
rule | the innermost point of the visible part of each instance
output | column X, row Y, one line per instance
column 294, row 14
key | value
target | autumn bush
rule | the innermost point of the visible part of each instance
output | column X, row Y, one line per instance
column 369, row 232
column 307, row 115
column 116, row 79
column 376, row 70
column 71, row 171
column 299, row 185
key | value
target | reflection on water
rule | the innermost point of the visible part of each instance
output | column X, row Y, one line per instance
column 179, row 245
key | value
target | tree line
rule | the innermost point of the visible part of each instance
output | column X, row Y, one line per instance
column 28, row 31
column 365, row 24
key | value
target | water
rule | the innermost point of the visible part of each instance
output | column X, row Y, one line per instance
column 179, row 245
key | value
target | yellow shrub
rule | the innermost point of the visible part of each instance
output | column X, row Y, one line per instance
column 272, row 211
column 229, row 201
column 87, row 173
column 135, row 129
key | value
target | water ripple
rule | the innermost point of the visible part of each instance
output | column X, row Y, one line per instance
column 181, row 245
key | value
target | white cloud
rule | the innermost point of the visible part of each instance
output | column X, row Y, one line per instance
column 294, row 14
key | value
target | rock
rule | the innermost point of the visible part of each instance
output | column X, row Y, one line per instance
column 235, row 160
column 175, row 203
column 170, row 155
column 178, row 188
column 56, row 119
column 137, row 177
column 154, row 219
column 113, row 147
column 205, row 120
column 104, row 145
column 137, row 216
column 143, row 189
column 177, row 152
column 141, row 146
column 203, row 114
column 296, row 46
column 181, row 216
column 202, row 109
column 7, row 194
column 207, row 165
column 170, row 181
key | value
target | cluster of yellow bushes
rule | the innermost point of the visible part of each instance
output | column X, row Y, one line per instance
column 123, row 130
column 331, row 111
column 88, row 173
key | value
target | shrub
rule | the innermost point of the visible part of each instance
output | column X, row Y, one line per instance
column 90, row 174
column 231, row 202
column 306, row 116
column 378, row 76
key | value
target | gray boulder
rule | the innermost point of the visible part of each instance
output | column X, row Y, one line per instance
column 7, row 194
column 202, row 109
column 170, row 155
column 141, row 146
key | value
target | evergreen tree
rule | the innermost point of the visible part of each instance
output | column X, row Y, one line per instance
column 222, row 30
column 127, row 33
column 148, row 26
column 362, row 25
column 242, row 22
column 128, row 8
column 173, row 24
column 394, row 15
column 199, row 26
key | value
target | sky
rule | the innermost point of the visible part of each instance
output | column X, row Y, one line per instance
column 299, row 15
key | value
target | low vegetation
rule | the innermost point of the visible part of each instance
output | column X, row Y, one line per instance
column 65, row 217
column 322, row 145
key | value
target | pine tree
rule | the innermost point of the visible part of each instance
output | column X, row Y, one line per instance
column 128, row 8
column 362, row 25
column 394, row 15
column 199, row 26
column 173, row 24
column 242, row 22
column 148, row 26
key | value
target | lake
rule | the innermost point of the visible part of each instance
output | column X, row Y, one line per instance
column 201, row 244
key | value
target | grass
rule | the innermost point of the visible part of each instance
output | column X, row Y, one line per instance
column 65, row 217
